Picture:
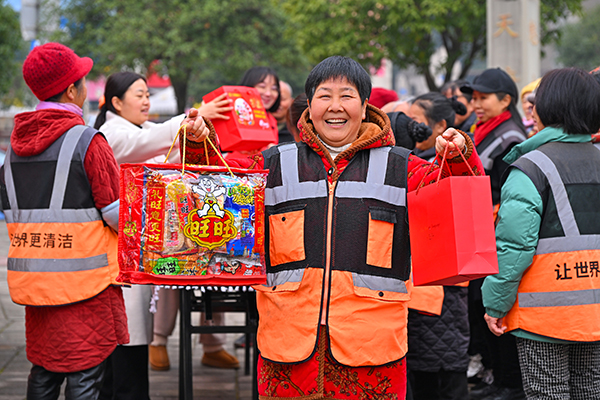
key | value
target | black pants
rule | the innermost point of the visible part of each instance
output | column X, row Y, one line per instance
column 499, row 353
column 441, row 385
column 45, row 385
column 127, row 374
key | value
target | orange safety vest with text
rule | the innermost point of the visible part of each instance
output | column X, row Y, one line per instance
column 559, row 294
column 337, row 255
column 61, row 250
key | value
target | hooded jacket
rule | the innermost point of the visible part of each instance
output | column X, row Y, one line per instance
column 373, row 134
column 77, row 336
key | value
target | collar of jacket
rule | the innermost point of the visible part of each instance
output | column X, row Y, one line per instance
column 34, row 131
column 372, row 134
column 546, row 135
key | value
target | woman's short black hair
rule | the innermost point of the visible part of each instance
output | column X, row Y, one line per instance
column 256, row 75
column 339, row 67
column 56, row 97
column 569, row 98
column 116, row 86
column 438, row 107
column 294, row 113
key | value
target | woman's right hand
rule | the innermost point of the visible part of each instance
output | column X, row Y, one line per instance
column 196, row 131
column 216, row 108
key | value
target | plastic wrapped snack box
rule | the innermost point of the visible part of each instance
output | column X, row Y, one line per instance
column 198, row 226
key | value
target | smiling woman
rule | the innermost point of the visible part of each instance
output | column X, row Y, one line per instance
column 337, row 111
column 336, row 246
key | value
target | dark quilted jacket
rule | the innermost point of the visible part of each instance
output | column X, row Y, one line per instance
column 440, row 342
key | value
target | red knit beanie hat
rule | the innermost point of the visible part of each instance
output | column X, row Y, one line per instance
column 380, row 97
column 50, row 68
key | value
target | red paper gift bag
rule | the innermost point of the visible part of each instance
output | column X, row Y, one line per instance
column 248, row 127
column 452, row 235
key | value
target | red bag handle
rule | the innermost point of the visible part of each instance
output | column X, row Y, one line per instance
column 442, row 163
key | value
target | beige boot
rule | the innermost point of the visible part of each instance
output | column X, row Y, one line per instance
column 159, row 358
column 220, row 359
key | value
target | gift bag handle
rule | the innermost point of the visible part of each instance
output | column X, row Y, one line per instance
column 205, row 150
column 442, row 163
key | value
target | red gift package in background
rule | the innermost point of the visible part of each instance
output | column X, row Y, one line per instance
column 201, row 226
column 452, row 235
column 248, row 127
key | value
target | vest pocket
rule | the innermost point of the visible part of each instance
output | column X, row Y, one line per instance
column 286, row 236
column 381, row 236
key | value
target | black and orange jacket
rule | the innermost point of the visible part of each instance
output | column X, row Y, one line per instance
column 558, row 295
column 492, row 150
column 337, row 244
column 61, row 251
column 78, row 336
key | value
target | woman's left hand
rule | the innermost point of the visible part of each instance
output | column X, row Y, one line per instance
column 196, row 129
column 495, row 325
column 456, row 140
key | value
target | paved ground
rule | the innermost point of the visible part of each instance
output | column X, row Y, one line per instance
column 209, row 383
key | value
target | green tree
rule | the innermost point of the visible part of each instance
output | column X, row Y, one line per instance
column 580, row 44
column 11, row 47
column 215, row 39
column 407, row 32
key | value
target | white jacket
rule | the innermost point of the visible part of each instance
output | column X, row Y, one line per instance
column 150, row 143
column 132, row 144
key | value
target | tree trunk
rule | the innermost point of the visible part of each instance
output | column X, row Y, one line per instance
column 179, row 80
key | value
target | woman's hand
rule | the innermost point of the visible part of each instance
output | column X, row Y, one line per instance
column 216, row 108
column 456, row 140
column 196, row 129
column 495, row 325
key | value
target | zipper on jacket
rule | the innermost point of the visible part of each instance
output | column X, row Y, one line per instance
column 328, row 254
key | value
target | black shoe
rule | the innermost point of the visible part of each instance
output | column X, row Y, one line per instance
column 483, row 390
column 507, row 394
column 240, row 343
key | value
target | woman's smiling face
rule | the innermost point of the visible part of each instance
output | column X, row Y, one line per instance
column 487, row 105
column 268, row 91
column 337, row 112
column 135, row 104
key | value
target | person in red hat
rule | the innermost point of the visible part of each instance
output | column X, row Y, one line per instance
column 380, row 97
column 59, row 191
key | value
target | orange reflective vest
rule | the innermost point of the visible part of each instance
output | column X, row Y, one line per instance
column 61, row 251
column 337, row 255
column 429, row 299
column 559, row 295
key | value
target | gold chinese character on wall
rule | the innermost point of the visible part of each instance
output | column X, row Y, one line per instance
column 533, row 34
column 504, row 26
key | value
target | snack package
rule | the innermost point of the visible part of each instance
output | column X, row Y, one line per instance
column 201, row 226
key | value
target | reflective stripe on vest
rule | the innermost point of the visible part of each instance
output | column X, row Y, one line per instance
column 562, row 283
column 280, row 278
column 484, row 155
column 374, row 186
column 293, row 189
column 77, row 258
column 57, row 265
column 560, row 299
column 379, row 283
column 573, row 240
